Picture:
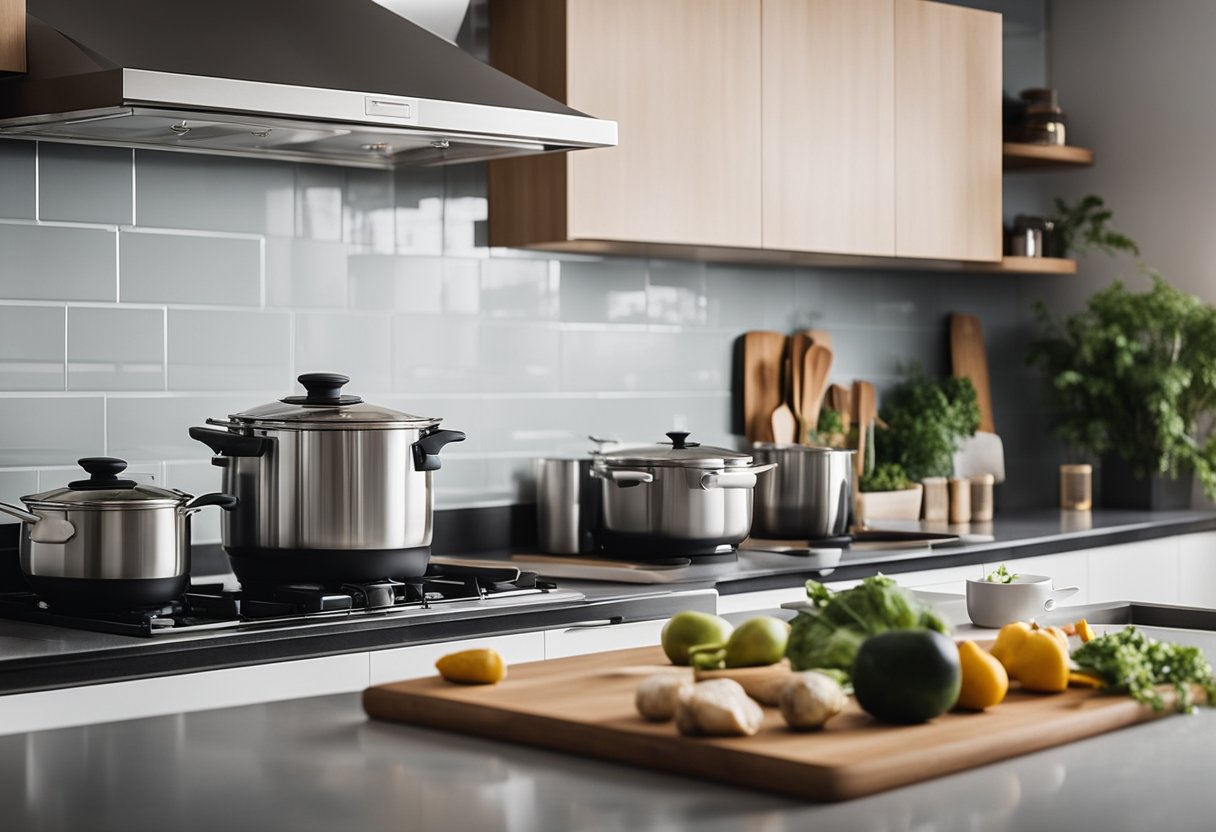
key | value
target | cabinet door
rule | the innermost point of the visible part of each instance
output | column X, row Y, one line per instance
column 829, row 125
column 682, row 80
column 581, row 639
column 947, row 132
column 1145, row 571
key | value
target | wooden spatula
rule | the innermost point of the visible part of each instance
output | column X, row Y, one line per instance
column 763, row 353
column 969, row 360
column 784, row 423
column 841, row 400
column 816, row 366
column 865, row 400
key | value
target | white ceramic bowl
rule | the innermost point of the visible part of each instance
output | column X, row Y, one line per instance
column 994, row 605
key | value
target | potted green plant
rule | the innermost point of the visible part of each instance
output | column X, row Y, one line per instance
column 923, row 420
column 1131, row 380
column 1078, row 229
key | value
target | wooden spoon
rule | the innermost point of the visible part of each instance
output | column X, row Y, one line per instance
column 817, row 364
column 785, row 425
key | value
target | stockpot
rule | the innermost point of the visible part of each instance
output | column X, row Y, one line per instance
column 105, row 542
column 810, row 495
column 676, row 497
column 331, row 488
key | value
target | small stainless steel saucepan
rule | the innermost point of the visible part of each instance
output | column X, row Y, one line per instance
column 106, row 542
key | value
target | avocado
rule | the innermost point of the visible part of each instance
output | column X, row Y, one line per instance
column 907, row 676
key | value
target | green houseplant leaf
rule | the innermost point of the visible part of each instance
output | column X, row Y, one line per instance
column 1134, row 374
column 925, row 419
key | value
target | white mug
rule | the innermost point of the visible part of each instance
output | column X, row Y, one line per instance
column 993, row 605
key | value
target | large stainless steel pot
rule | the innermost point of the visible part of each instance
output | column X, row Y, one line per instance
column 331, row 488
column 676, row 498
column 108, row 542
column 809, row 496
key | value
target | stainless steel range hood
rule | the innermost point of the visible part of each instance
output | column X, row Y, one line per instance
column 336, row 81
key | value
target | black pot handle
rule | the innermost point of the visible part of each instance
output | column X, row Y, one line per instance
column 225, row 501
column 426, row 449
column 225, row 443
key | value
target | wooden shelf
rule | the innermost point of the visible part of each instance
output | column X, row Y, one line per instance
column 1045, row 156
column 1027, row 265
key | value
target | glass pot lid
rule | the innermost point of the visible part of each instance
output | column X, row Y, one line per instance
column 104, row 489
column 677, row 453
column 325, row 406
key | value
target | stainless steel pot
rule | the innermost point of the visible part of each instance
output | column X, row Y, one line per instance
column 331, row 488
column 676, row 498
column 567, row 505
column 809, row 496
column 108, row 542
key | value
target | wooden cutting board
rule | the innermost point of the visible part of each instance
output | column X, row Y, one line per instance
column 763, row 363
column 969, row 360
column 584, row 705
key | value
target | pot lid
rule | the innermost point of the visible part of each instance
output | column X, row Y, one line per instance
column 103, row 488
column 678, row 453
column 324, row 406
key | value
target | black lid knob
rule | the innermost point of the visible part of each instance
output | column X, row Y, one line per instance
column 323, row 389
column 679, row 440
column 103, row 473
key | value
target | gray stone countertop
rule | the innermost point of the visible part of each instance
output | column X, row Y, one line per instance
column 320, row 764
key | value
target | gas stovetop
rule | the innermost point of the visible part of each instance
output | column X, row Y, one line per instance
column 222, row 606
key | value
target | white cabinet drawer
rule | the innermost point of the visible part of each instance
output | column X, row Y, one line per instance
column 581, row 639
column 413, row 662
column 951, row 579
column 1144, row 571
column 768, row 599
column 226, row 688
column 1197, row 569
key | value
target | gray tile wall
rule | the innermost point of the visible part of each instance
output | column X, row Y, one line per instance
column 141, row 292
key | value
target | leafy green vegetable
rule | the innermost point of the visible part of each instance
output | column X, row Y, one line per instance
column 1083, row 226
column 925, row 419
column 1134, row 375
column 828, row 637
column 1001, row 575
column 830, row 421
column 1129, row 661
column 888, row 476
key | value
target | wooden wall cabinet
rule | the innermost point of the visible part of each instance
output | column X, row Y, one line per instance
column 682, row 80
column 840, row 132
column 12, row 36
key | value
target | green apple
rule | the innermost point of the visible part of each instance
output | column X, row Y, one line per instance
column 757, row 641
column 689, row 629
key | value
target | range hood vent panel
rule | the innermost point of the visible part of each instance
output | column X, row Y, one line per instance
column 333, row 67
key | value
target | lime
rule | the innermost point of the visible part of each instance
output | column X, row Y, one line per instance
column 690, row 628
column 757, row 641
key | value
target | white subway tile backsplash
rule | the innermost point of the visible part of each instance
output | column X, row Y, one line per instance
column 537, row 425
column 187, row 268
column 50, row 430
column 465, row 211
column 13, row 486
column 519, row 358
column 18, row 164
column 418, row 198
column 354, row 344
column 31, row 348
column 85, row 184
column 112, row 348
column 305, row 273
column 603, row 290
column 52, row 262
column 744, row 297
column 675, row 293
column 229, row 350
column 368, row 215
column 143, row 428
column 519, row 288
column 214, row 193
column 319, row 202
column 400, row 284
column 435, row 355
column 598, row 360
column 457, row 412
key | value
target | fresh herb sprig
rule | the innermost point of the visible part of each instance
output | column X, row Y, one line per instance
column 1129, row 661
column 1000, row 575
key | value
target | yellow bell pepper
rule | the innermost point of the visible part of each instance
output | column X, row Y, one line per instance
column 481, row 666
column 1085, row 631
column 985, row 681
column 1035, row 656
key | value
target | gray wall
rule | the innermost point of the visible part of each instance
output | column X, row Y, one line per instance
column 141, row 292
